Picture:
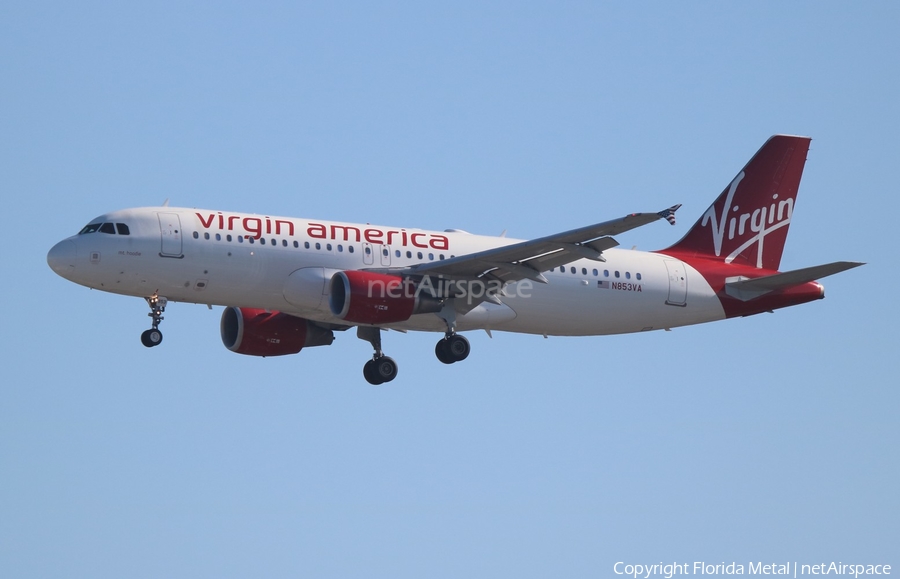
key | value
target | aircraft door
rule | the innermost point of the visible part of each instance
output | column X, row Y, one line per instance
column 385, row 255
column 368, row 254
column 677, row 283
column 170, row 234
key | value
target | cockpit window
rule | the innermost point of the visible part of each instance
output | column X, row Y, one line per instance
column 122, row 229
column 108, row 228
column 89, row 228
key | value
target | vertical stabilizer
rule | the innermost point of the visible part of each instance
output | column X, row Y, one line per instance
column 748, row 223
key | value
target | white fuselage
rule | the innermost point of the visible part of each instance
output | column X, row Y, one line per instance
column 284, row 264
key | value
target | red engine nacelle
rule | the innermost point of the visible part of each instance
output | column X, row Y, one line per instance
column 262, row 333
column 365, row 297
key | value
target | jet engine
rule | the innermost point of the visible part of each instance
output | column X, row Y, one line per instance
column 364, row 297
column 264, row 333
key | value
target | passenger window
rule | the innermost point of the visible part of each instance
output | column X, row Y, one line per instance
column 627, row 275
column 617, row 274
column 108, row 228
column 350, row 248
column 328, row 247
column 397, row 253
column 638, row 276
column 441, row 256
column 218, row 237
column 306, row 245
column 583, row 271
column 251, row 241
column 420, row 255
column 605, row 273
column 228, row 237
column 409, row 254
column 318, row 245
column 340, row 248
column 431, row 256
column 596, row 273
column 296, row 245
column 284, row 242
column 196, row 235
column 573, row 270
column 122, row 229
column 206, row 236
column 240, row 239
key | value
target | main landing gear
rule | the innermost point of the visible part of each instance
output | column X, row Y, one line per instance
column 452, row 348
column 153, row 337
column 380, row 368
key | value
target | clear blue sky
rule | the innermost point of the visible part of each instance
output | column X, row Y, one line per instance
column 771, row 438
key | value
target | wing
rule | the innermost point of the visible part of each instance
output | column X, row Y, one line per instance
column 527, row 259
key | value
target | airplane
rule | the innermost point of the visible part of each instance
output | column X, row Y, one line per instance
column 288, row 284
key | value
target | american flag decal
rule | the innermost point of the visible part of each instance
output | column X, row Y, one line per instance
column 603, row 284
column 669, row 214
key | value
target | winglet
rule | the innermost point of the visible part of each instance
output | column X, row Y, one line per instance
column 669, row 214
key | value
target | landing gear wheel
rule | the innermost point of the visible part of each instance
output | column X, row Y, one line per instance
column 442, row 353
column 369, row 373
column 380, row 370
column 454, row 348
column 458, row 347
column 385, row 369
column 151, row 338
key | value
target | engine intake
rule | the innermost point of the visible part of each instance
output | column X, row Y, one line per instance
column 262, row 333
column 365, row 297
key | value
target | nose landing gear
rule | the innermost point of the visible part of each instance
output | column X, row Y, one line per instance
column 153, row 337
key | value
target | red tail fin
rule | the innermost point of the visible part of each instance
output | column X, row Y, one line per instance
column 748, row 223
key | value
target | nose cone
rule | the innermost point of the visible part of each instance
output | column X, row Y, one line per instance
column 61, row 258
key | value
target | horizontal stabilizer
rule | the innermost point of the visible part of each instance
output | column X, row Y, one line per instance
column 747, row 289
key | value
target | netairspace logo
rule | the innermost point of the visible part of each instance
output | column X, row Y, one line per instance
column 787, row 569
